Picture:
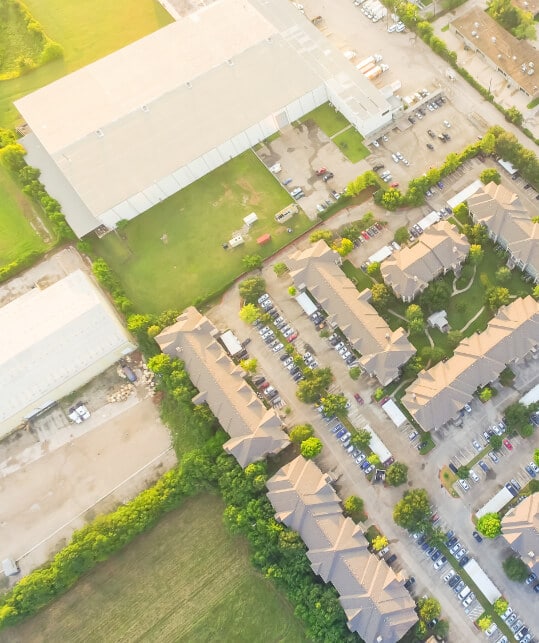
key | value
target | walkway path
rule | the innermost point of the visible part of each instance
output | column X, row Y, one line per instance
column 344, row 129
column 456, row 291
column 463, row 329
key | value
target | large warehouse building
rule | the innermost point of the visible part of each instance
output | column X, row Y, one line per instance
column 54, row 341
column 124, row 133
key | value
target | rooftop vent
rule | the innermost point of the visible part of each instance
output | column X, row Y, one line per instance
column 100, row 133
column 230, row 62
column 493, row 39
column 145, row 108
column 188, row 84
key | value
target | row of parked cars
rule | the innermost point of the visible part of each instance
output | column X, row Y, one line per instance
column 345, row 437
column 517, row 626
column 343, row 349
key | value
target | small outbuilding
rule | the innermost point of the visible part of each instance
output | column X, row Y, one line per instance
column 250, row 219
column 439, row 320
column 265, row 238
column 10, row 567
column 236, row 241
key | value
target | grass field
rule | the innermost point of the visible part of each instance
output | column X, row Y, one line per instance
column 186, row 580
column 87, row 30
column 197, row 221
column 327, row 119
column 17, row 237
column 351, row 145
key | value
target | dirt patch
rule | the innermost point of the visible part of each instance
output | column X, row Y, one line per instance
column 251, row 195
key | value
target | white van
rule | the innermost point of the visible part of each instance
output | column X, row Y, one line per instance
column 465, row 591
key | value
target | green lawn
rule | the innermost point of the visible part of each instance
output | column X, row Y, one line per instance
column 327, row 119
column 361, row 279
column 17, row 237
column 351, row 145
column 187, row 579
column 87, row 30
column 197, row 221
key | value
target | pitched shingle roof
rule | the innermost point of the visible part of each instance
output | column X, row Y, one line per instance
column 383, row 351
column 520, row 527
column 439, row 249
column 439, row 393
column 501, row 211
column 374, row 600
column 254, row 430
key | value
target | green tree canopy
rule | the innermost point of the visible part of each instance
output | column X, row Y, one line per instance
column 413, row 511
column 484, row 622
column 495, row 442
column 326, row 235
column 361, row 439
column 379, row 542
column 249, row 365
column 503, row 275
column 314, row 385
column 251, row 289
column 486, row 394
column 500, row 606
column 454, row 337
column 490, row 175
column 517, row 417
column 463, row 472
column 536, row 457
column 498, row 296
column 490, row 525
column 354, row 372
column 374, row 459
column 476, row 253
column 515, row 569
column 292, row 291
column 436, row 296
column 428, row 609
column 334, row 404
column 311, row 447
column 373, row 270
column 381, row 295
column 353, row 505
column 280, row 268
column 249, row 313
column 344, row 246
column 397, row 474
column 301, row 432
column 401, row 235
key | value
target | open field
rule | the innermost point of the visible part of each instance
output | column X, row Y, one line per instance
column 17, row 237
column 187, row 579
column 350, row 142
column 197, row 221
column 87, row 30
column 327, row 119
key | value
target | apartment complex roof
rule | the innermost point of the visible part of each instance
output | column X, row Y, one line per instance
column 383, row 351
column 504, row 215
column 501, row 47
column 520, row 528
column 440, row 393
column 254, row 430
column 376, row 604
column 409, row 270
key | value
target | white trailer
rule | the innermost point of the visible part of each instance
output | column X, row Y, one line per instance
column 378, row 447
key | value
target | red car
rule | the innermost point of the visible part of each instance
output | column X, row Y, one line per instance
column 358, row 397
column 508, row 445
column 292, row 337
column 264, row 385
column 321, row 171
column 365, row 235
column 394, row 185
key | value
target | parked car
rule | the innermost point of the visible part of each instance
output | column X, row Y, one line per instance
column 477, row 536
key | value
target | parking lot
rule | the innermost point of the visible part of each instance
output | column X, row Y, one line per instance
column 301, row 150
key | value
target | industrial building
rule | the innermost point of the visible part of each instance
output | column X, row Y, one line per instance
column 55, row 340
column 124, row 133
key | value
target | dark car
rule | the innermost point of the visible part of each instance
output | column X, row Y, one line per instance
column 409, row 582
column 391, row 559
column 476, row 535
column 327, row 177
column 453, row 467
column 483, row 466
column 464, row 560
column 454, row 581
column 430, row 146
column 411, row 119
column 431, row 133
column 380, row 166
column 452, row 542
column 436, row 555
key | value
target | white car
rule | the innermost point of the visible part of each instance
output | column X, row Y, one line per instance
column 449, row 575
column 460, row 553
column 264, row 296
column 413, row 435
column 82, row 411
column 74, row 416
column 467, row 601
column 278, row 347
column 464, row 485
column 376, row 144
column 395, row 158
column 491, row 630
column 474, row 476
column 447, row 123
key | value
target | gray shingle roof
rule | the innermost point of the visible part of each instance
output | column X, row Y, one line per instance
column 520, row 528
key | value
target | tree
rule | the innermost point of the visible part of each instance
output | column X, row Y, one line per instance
column 311, row 447
column 517, row 417
column 454, row 337
column 301, row 432
column 353, row 505
column 401, row 235
column 498, row 296
column 515, row 569
column 381, row 295
column 317, row 235
column 536, row 457
column 252, row 262
column 373, row 270
column 414, row 316
column 503, row 275
column 354, row 372
column 495, row 442
column 476, row 233
column 476, row 254
column 413, row 511
column 292, row 291
column 500, row 606
column 374, row 460
column 378, row 394
column 486, row 394
column 484, row 622
column 314, row 385
column 280, row 268
column 251, row 289
column 490, row 525
column 535, row 292
column 463, row 472
column 436, row 296
column 249, row 313
column 441, row 630
column 249, row 365
column 334, row 404
column 397, row 474
column 379, row 542
column 428, row 609
column 343, row 247
column 490, row 175
column 361, row 439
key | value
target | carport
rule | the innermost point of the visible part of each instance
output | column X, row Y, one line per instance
column 394, row 413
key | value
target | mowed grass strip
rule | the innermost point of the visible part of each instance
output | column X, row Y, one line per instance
column 17, row 237
column 187, row 579
column 197, row 221
column 87, row 30
column 327, row 119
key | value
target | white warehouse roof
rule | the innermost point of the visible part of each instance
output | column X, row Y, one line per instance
column 52, row 342
column 147, row 120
